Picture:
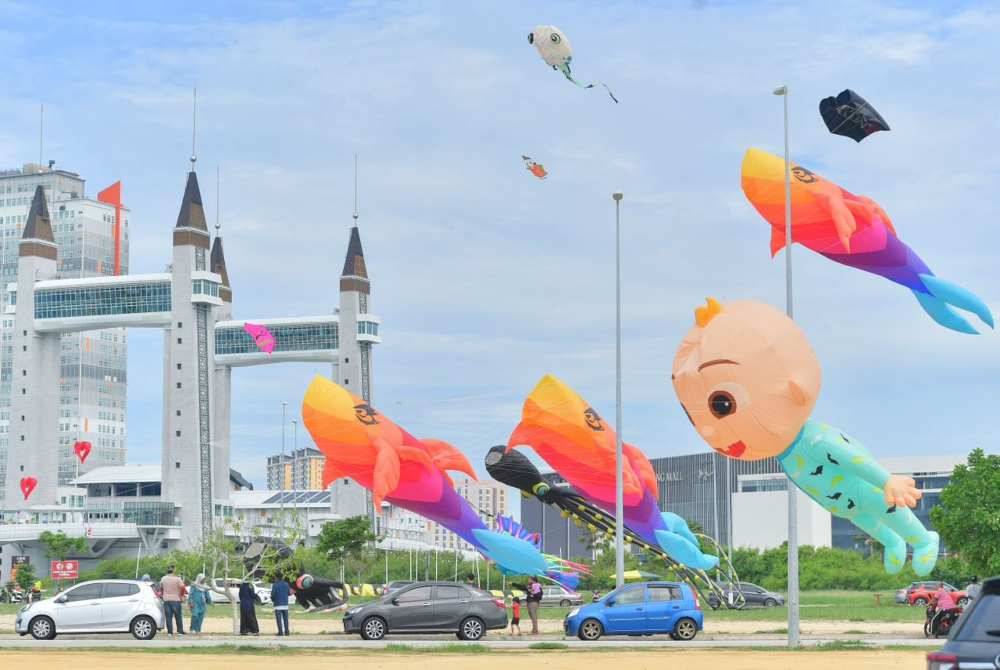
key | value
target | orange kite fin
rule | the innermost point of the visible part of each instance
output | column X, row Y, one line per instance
column 643, row 468
column 386, row 476
column 446, row 457
column 330, row 473
column 777, row 241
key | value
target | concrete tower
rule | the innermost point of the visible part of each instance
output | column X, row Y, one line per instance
column 354, row 367
column 189, row 373
column 33, row 450
column 223, row 378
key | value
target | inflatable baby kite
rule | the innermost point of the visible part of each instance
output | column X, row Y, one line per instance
column 748, row 380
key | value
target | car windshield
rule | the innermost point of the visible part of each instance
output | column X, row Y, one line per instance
column 983, row 624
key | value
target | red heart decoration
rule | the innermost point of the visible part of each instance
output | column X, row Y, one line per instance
column 82, row 450
column 28, row 485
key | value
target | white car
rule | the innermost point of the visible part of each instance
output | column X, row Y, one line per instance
column 105, row 606
column 262, row 593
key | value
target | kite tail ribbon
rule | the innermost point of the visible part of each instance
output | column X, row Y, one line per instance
column 942, row 294
column 568, row 75
column 681, row 544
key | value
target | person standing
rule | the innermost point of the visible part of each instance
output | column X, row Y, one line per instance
column 172, row 588
column 279, row 598
column 534, row 600
column 198, row 602
column 248, row 610
column 515, row 616
column 973, row 589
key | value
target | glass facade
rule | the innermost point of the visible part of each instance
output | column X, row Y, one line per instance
column 291, row 337
column 204, row 287
column 138, row 298
column 139, row 513
column 367, row 328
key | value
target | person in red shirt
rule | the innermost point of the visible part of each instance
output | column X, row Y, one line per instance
column 515, row 615
column 943, row 603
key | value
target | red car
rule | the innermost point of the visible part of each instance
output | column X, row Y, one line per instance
column 923, row 595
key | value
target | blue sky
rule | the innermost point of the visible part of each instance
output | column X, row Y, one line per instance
column 487, row 278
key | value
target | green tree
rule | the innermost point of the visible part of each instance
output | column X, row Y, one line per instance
column 25, row 577
column 345, row 538
column 968, row 517
column 59, row 547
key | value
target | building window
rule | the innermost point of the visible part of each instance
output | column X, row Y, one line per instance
column 178, row 412
column 179, row 340
column 178, row 384
column 178, row 366
column 177, row 465
column 347, row 381
column 180, row 325
column 177, row 433
column 24, row 373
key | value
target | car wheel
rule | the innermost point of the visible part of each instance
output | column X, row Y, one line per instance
column 373, row 628
column 143, row 628
column 920, row 602
column 685, row 629
column 471, row 629
column 42, row 628
column 564, row 603
column 962, row 602
column 770, row 602
column 591, row 630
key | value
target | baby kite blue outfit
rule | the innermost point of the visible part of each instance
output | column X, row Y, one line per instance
column 839, row 474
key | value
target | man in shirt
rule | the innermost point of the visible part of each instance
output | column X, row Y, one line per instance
column 172, row 588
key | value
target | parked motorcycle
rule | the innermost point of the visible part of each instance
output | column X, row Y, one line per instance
column 937, row 626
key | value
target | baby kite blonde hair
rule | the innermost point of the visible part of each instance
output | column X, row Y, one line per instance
column 704, row 315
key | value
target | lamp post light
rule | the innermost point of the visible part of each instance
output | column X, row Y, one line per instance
column 619, row 485
column 793, row 525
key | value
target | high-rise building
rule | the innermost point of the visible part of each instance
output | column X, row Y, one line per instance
column 488, row 498
column 92, row 240
column 301, row 470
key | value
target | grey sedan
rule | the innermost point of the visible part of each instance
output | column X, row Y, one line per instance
column 429, row 607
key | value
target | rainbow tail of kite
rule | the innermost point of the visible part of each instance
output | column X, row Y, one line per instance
column 941, row 295
column 681, row 544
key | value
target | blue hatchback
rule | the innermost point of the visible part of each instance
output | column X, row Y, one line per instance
column 639, row 609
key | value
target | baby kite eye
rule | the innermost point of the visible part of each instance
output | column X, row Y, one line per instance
column 721, row 404
column 555, row 38
column 531, row 38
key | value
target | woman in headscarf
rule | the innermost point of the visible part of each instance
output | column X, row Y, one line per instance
column 248, row 610
column 198, row 601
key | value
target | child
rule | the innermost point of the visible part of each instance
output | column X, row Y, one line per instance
column 515, row 616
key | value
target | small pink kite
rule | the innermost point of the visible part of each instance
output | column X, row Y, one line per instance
column 262, row 336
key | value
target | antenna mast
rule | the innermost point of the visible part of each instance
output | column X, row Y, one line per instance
column 218, row 200
column 194, row 127
column 355, row 189
column 41, row 132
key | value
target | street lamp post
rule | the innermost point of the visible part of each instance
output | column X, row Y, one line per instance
column 793, row 525
column 619, row 484
column 295, row 467
column 282, row 498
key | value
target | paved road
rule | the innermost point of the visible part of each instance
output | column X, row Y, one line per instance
column 346, row 643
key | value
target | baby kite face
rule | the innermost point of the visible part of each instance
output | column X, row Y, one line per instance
column 747, row 379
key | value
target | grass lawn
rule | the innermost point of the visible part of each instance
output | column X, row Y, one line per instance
column 829, row 605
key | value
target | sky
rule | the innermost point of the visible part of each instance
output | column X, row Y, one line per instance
column 486, row 278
